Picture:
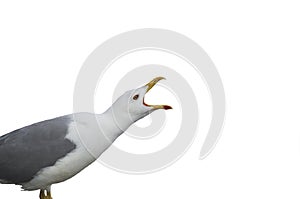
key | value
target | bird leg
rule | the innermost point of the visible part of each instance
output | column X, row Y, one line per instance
column 45, row 194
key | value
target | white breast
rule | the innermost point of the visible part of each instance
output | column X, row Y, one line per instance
column 90, row 144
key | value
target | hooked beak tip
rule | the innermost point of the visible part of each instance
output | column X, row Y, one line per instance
column 153, row 82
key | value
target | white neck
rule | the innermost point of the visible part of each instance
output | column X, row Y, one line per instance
column 112, row 124
column 97, row 134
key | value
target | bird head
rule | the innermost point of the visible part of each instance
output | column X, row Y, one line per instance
column 132, row 103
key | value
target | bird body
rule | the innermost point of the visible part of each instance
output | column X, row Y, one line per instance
column 52, row 151
column 75, row 160
column 58, row 154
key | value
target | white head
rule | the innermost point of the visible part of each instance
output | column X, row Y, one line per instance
column 131, row 105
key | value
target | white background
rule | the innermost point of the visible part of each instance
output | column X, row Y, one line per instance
column 255, row 46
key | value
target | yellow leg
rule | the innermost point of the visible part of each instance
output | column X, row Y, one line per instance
column 45, row 194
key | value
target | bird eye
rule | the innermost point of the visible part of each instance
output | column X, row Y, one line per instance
column 135, row 97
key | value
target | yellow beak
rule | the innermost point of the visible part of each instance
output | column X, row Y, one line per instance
column 150, row 85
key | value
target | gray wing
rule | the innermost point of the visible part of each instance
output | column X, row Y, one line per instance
column 26, row 151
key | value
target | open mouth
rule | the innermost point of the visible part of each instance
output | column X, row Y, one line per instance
column 150, row 85
column 145, row 102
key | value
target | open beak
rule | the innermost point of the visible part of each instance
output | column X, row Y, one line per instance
column 149, row 86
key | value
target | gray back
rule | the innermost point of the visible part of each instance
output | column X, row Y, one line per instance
column 26, row 151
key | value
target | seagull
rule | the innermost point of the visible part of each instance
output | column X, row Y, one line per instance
column 52, row 151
